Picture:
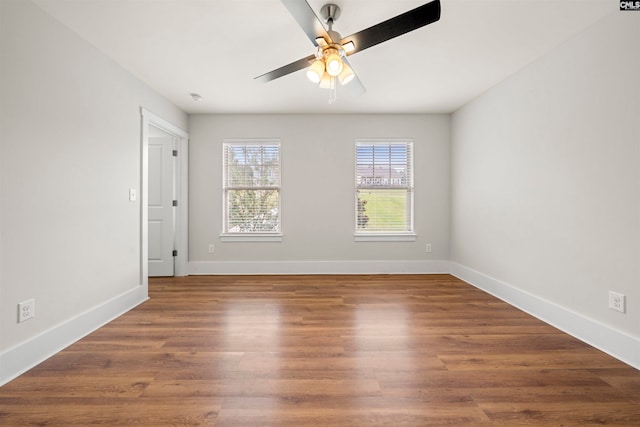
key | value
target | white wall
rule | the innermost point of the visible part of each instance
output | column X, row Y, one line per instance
column 318, row 194
column 70, row 136
column 546, row 186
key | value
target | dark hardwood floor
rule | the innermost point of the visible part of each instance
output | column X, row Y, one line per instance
column 400, row 350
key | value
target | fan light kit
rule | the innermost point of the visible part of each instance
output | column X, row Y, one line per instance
column 329, row 65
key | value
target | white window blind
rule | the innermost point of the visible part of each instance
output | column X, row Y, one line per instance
column 251, row 187
column 384, row 186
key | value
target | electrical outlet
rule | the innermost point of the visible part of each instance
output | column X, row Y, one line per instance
column 26, row 310
column 428, row 248
column 211, row 248
column 616, row 301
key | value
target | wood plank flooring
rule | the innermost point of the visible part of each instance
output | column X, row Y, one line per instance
column 399, row 350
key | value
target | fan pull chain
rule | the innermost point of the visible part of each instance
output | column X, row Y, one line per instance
column 333, row 90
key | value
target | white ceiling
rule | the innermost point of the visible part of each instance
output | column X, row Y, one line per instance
column 217, row 47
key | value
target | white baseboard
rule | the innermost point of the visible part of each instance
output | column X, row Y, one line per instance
column 24, row 356
column 618, row 344
column 317, row 267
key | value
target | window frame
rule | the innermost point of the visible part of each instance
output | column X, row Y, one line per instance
column 389, row 235
column 250, row 236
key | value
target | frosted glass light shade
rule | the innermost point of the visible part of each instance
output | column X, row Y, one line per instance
column 334, row 64
column 346, row 75
column 326, row 81
column 315, row 71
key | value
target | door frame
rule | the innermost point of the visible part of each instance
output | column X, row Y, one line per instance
column 181, row 243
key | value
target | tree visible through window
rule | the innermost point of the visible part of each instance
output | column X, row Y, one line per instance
column 251, row 186
column 384, row 186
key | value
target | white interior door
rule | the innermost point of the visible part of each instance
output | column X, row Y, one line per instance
column 161, row 212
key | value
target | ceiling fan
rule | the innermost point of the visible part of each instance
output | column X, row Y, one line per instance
column 329, row 64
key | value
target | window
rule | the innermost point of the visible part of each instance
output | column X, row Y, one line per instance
column 384, row 189
column 251, row 188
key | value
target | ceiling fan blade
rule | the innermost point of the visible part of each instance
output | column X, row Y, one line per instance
column 307, row 19
column 394, row 27
column 286, row 69
column 355, row 86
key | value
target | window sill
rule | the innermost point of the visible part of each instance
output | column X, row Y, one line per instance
column 251, row 237
column 386, row 237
